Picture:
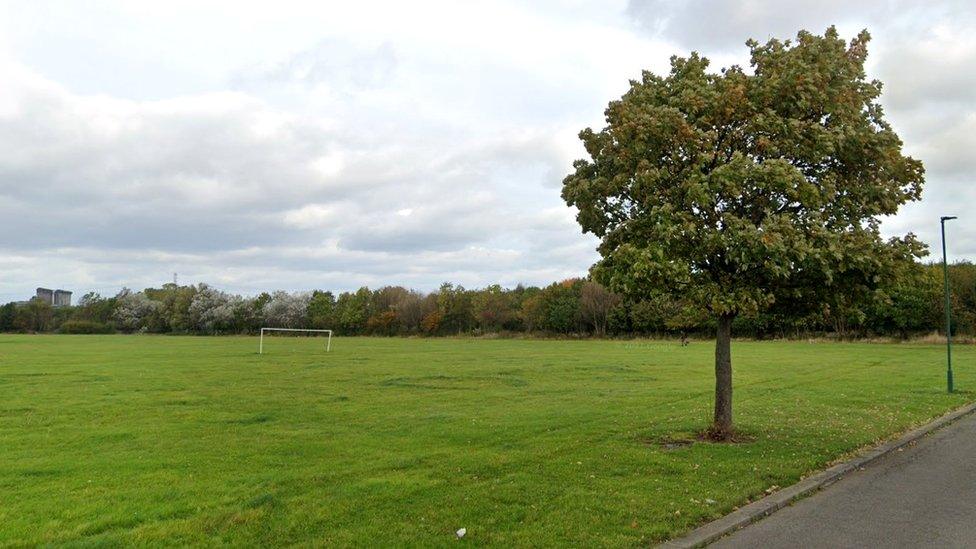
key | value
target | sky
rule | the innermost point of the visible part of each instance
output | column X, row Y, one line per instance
column 292, row 145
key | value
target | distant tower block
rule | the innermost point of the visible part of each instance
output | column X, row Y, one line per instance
column 46, row 295
column 62, row 298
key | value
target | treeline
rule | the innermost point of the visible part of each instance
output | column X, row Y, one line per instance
column 913, row 305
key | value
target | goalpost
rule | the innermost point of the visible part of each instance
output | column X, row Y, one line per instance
column 328, row 345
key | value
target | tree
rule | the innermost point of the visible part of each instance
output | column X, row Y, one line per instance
column 353, row 310
column 532, row 312
column 492, row 308
column 134, row 311
column 736, row 190
column 212, row 311
column 909, row 305
column 322, row 310
column 394, row 309
column 431, row 322
column 595, row 306
column 285, row 310
column 35, row 316
column 664, row 313
column 388, row 298
column 173, row 314
column 7, row 315
column 454, row 304
column 561, row 306
column 962, row 282
column 247, row 314
column 95, row 308
column 411, row 310
column 383, row 323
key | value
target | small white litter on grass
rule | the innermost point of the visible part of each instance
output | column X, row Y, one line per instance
column 460, row 533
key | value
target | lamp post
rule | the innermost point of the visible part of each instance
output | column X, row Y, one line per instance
column 948, row 313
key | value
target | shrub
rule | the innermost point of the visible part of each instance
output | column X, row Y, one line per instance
column 85, row 327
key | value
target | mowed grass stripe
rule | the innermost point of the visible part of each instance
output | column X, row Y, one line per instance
column 199, row 440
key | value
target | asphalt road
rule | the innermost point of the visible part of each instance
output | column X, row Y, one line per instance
column 922, row 496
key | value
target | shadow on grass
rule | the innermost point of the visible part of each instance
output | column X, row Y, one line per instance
column 252, row 420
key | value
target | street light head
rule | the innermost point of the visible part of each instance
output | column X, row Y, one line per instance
column 947, row 217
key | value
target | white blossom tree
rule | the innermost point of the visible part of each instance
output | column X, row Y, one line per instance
column 213, row 311
column 286, row 310
column 134, row 310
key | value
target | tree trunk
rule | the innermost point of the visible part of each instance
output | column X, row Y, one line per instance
column 722, row 426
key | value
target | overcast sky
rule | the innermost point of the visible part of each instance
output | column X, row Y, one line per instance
column 299, row 145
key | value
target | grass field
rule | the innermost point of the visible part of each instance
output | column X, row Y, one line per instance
column 199, row 440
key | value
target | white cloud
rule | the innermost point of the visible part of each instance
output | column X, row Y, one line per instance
column 310, row 216
column 311, row 145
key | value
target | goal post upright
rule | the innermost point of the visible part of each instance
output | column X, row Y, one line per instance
column 328, row 344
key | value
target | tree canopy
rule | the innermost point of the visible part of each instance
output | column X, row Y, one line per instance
column 741, row 189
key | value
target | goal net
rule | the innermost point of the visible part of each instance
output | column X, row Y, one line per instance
column 328, row 343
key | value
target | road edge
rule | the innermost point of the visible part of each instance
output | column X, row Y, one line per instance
column 768, row 505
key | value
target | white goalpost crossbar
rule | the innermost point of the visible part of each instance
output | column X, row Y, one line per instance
column 328, row 345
